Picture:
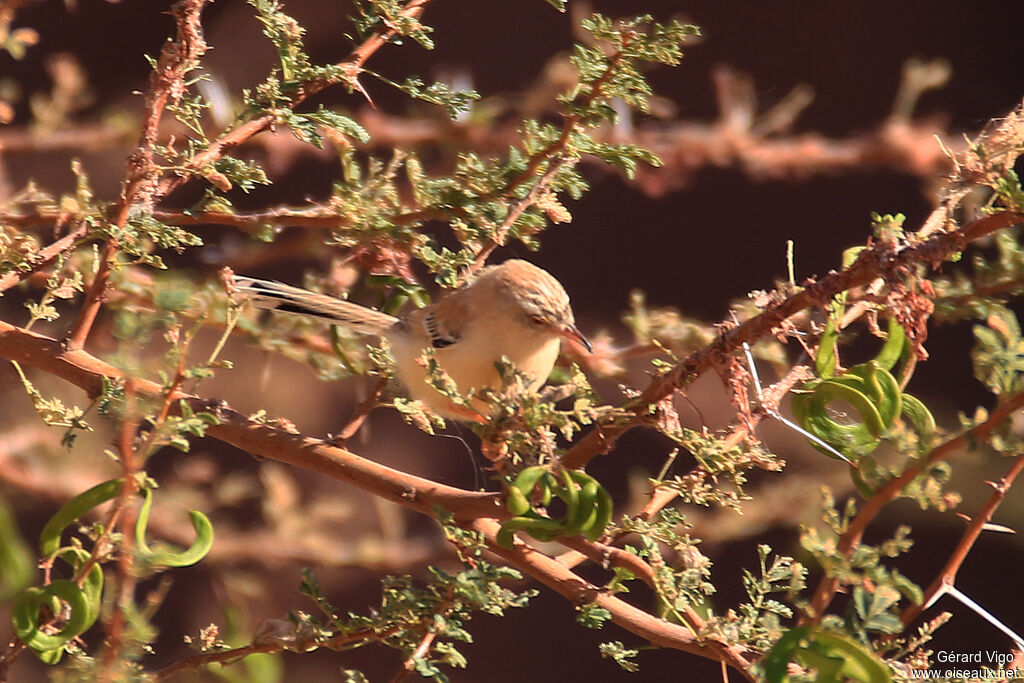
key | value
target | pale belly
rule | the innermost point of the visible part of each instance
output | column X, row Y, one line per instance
column 471, row 370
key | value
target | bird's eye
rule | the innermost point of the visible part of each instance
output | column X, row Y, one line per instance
column 537, row 321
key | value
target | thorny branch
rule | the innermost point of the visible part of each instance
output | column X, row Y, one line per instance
column 247, row 130
column 167, row 85
column 875, row 261
column 87, row 372
column 947, row 577
column 267, row 645
column 855, row 531
column 557, row 577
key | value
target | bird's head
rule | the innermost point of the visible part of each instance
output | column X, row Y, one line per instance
column 534, row 297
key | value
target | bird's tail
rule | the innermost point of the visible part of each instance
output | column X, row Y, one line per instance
column 277, row 296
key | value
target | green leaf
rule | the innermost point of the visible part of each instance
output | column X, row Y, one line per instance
column 835, row 658
column 893, row 347
column 593, row 616
column 17, row 565
column 49, row 539
column 170, row 558
column 621, row 655
column 25, row 614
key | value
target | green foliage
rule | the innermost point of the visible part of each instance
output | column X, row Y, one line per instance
column 375, row 14
column 998, row 355
column 1009, row 192
column 454, row 102
column 759, row 620
column 832, row 657
column 16, row 249
column 74, row 606
column 304, row 126
column 877, row 589
column 588, row 506
column 16, row 562
column 870, row 389
column 395, row 216
column 593, row 616
column 687, row 584
column 621, row 655
column 408, row 614
column 165, row 557
column 980, row 294
column 606, row 75
column 54, row 413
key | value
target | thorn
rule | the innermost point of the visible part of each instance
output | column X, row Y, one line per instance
column 983, row 613
column 771, row 412
column 935, row 598
column 352, row 76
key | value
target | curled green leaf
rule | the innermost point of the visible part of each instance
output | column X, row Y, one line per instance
column 893, row 347
column 92, row 586
column 585, row 512
column 25, row 614
column 516, row 501
column 834, row 658
column 922, row 420
column 49, row 539
column 170, row 558
column 825, row 360
column 870, row 390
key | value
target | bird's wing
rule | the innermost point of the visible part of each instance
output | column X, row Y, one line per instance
column 442, row 323
column 277, row 296
column 431, row 326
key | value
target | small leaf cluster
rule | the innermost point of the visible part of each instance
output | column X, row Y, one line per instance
column 680, row 584
column 721, row 472
column 993, row 281
column 877, row 589
column 998, row 354
column 408, row 613
column 612, row 73
column 758, row 622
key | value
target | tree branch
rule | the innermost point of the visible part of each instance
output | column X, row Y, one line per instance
column 855, row 531
column 947, row 577
column 557, row 577
column 167, row 85
column 878, row 260
column 87, row 372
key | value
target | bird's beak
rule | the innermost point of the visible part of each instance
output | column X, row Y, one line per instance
column 573, row 333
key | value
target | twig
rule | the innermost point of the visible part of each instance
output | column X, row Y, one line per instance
column 881, row 258
column 515, row 211
column 126, row 580
column 849, row 540
column 44, row 257
column 243, row 132
column 167, row 85
column 409, row 665
column 14, row 648
column 227, row 657
column 362, row 411
column 564, row 582
column 947, row 577
column 88, row 372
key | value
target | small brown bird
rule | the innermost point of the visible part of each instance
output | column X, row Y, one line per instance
column 515, row 309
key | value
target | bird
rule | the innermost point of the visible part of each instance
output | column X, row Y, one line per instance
column 514, row 309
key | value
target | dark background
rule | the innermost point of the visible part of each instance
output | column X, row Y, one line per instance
column 697, row 248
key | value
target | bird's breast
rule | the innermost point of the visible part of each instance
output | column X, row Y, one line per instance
column 470, row 362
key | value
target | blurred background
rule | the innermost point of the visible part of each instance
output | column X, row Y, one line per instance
column 697, row 235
